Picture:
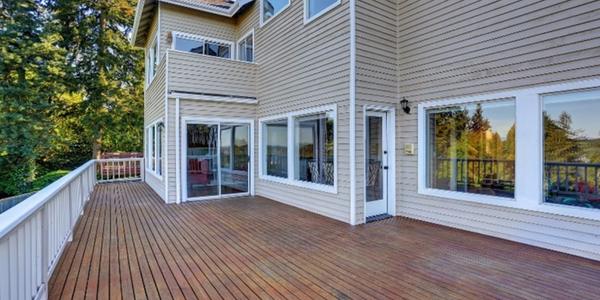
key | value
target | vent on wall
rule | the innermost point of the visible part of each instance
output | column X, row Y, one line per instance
column 409, row 149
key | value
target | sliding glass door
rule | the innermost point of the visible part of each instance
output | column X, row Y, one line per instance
column 217, row 160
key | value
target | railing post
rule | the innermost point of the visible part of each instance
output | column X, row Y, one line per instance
column 45, row 252
column 70, row 237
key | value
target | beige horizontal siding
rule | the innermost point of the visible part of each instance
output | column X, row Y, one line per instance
column 194, row 73
column 376, row 75
column 302, row 66
column 180, row 19
column 458, row 48
column 154, row 109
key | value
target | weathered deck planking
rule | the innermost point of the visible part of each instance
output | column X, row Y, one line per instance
column 130, row 245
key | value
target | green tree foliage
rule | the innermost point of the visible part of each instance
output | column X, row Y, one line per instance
column 560, row 141
column 106, row 69
column 30, row 76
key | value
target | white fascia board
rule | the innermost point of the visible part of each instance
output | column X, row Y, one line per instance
column 213, row 98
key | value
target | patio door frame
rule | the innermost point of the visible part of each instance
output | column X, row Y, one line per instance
column 390, row 139
column 183, row 148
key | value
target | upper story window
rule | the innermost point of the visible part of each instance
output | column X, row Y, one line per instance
column 151, row 61
column 246, row 47
column 202, row 45
column 315, row 8
column 271, row 8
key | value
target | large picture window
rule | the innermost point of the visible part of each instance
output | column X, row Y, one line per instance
column 471, row 148
column 572, row 148
column 276, row 141
column 299, row 148
column 201, row 45
column 313, row 148
column 271, row 8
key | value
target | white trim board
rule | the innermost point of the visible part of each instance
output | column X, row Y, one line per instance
column 529, row 151
column 187, row 96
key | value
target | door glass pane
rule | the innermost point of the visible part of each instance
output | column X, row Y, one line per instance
column 202, row 160
column 375, row 161
column 235, row 156
column 572, row 148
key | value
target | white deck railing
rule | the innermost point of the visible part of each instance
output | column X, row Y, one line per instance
column 34, row 233
column 120, row 169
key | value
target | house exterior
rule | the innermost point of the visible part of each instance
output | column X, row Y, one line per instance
column 300, row 101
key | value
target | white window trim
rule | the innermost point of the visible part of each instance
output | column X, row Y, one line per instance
column 529, row 163
column 308, row 19
column 290, row 143
column 237, row 45
column 199, row 38
column 261, row 16
column 147, row 147
column 149, row 66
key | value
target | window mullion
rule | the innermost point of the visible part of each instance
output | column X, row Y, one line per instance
column 291, row 149
column 528, row 154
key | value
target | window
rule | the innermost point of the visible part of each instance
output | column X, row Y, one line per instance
column 315, row 8
column 202, row 45
column 572, row 148
column 313, row 148
column 246, row 47
column 300, row 149
column 271, row 8
column 154, row 136
column 535, row 149
column 471, row 148
column 276, row 144
column 151, row 61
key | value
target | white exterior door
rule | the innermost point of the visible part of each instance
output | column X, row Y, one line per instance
column 376, row 163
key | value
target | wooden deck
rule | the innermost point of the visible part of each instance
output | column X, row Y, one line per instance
column 130, row 245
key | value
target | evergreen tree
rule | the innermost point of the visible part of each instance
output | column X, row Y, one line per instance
column 560, row 143
column 30, row 79
column 105, row 68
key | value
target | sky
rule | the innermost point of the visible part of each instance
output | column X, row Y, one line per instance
column 584, row 108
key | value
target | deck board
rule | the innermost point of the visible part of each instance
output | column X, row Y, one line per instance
column 130, row 245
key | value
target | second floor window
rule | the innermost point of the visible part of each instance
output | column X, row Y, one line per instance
column 246, row 48
column 271, row 8
column 315, row 8
column 202, row 46
column 151, row 61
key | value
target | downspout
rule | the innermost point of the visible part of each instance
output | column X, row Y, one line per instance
column 352, row 112
column 177, row 153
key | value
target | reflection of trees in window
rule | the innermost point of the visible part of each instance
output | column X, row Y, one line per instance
column 560, row 141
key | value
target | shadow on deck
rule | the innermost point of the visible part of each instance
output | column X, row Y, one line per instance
column 131, row 245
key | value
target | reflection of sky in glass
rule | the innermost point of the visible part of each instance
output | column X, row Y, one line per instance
column 188, row 45
column 584, row 108
column 276, row 4
column 501, row 115
column 316, row 6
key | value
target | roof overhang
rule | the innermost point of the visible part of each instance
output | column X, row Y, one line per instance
column 146, row 8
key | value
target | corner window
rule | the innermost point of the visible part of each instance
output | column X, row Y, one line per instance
column 315, row 8
column 151, row 61
column 471, row 148
column 246, row 48
column 202, row 45
column 154, row 136
column 276, row 146
column 299, row 149
column 313, row 148
column 271, row 8
column 572, row 148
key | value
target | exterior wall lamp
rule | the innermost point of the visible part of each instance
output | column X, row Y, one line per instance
column 161, row 125
column 404, row 105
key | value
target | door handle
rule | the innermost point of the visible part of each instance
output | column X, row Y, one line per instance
column 385, row 168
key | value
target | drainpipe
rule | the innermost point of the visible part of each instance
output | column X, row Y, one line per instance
column 352, row 112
